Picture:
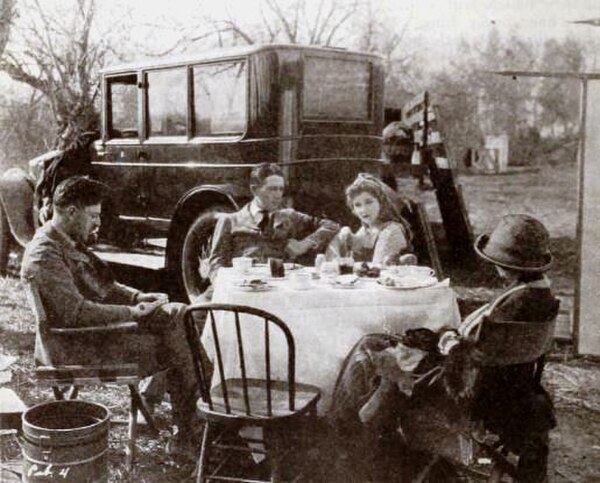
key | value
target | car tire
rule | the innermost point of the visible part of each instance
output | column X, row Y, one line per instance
column 5, row 241
column 196, row 246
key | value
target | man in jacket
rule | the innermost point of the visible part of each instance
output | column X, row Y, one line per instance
column 262, row 229
column 77, row 290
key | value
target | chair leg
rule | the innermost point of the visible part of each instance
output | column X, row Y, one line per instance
column 73, row 392
column 272, row 442
column 58, row 394
column 131, row 433
column 141, row 405
column 203, row 457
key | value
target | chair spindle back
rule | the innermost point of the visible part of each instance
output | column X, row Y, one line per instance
column 221, row 315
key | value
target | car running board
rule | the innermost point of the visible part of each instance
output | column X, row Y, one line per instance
column 150, row 258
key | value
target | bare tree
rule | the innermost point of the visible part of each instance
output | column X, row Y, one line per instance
column 288, row 21
column 7, row 12
column 54, row 54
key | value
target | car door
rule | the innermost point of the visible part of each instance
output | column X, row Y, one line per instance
column 119, row 159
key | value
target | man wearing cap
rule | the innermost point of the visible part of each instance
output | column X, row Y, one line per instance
column 78, row 290
column 509, row 401
column 263, row 229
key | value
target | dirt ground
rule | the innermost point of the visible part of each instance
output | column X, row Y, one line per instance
column 574, row 383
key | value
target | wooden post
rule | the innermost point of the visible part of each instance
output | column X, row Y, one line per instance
column 587, row 288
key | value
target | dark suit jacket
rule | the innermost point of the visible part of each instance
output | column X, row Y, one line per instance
column 237, row 234
column 510, row 403
column 77, row 290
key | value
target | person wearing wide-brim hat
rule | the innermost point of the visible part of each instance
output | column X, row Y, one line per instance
column 519, row 243
column 511, row 403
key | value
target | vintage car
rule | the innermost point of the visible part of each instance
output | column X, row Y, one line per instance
column 180, row 136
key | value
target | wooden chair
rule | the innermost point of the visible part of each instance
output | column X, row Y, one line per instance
column 271, row 404
column 502, row 344
column 71, row 377
column 424, row 241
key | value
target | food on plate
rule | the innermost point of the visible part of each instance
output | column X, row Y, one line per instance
column 387, row 281
column 346, row 280
column 406, row 282
column 366, row 270
column 253, row 283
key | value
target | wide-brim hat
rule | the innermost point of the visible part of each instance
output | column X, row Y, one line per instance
column 519, row 242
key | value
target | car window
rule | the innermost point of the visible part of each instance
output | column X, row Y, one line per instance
column 220, row 98
column 167, row 102
column 336, row 89
column 123, row 107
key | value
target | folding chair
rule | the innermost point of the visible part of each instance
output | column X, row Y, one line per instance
column 274, row 405
column 501, row 344
column 71, row 377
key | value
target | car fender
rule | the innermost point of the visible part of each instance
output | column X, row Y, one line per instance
column 188, row 208
column 16, row 196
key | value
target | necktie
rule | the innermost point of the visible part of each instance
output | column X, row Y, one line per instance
column 264, row 222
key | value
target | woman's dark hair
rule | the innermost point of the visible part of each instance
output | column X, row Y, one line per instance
column 80, row 191
column 261, row 172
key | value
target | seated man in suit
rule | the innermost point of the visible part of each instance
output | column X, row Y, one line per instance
column 262, row 229
column 77, row 290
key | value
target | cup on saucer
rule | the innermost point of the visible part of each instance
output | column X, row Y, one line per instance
column 300, row 280
column 242, row 264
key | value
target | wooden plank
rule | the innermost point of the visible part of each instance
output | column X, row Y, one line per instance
column 434, row 137
column 414, row 104
column 588, row 282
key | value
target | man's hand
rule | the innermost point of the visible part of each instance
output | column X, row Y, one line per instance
column 295, row 248
column 143, row 310
column 152, row 297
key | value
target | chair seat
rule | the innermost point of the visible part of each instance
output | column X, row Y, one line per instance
column 117, row 373
column 306, row 398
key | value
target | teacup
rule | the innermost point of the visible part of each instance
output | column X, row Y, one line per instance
column 242, row 264
column 300, row 280
column 420, row 271
column 330, row 269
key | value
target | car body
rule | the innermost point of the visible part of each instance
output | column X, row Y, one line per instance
column 180, row 136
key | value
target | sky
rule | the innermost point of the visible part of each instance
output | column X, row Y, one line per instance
column 434, row 27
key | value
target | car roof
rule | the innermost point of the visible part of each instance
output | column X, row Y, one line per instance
column 224, row 53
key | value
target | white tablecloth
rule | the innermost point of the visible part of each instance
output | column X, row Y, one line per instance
column 326, row 322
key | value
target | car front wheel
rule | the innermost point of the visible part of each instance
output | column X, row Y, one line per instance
column 196, row 250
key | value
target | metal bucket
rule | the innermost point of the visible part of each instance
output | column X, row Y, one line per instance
column 65, row 441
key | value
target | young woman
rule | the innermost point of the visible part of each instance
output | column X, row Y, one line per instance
column 383, row 236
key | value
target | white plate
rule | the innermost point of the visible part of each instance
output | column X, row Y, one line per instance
column 411, row 285
column 346, row 281
column 346, row 286
column 258, row 288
